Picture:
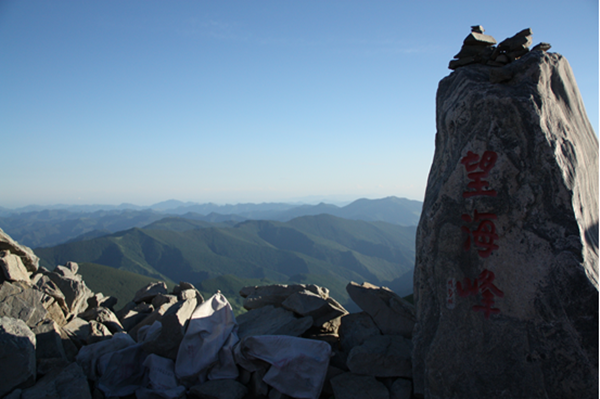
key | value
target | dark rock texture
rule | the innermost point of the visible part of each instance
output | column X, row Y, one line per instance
column 506, row 275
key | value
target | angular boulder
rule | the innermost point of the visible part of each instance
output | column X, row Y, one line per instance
column 67, row 383
column 307, row 303
column 392, row 314
column 12, row 267
column 506, row 273
column 355, row 328
column 145, row 294
column 28, row 257
column 259, row 296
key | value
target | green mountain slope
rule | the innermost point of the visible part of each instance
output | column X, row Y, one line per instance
column 322, row 249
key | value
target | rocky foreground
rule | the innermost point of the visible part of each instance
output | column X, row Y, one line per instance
column 58, row 339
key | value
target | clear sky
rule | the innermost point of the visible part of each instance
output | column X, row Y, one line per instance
column 243, row 101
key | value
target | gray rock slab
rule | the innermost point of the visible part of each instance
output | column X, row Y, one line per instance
column 218, row 389
column 28, row 257
column 355, row 328
column 382, row 356
column 354, row 386
column 392, row 314
column 68, row 383
column 307, row 303
column 17, row 355
column 510, row 214
column 12, row 267
column 49, row 288
column 259, row 296
column 23, row 302
column 75, row 290
column 145, row 294
column 270, row 320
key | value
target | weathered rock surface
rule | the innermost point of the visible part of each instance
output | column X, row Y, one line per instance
column 23, row 302
column 392, row 314
column 307, row 303
column 73, row 288
column 17, row 355
column 506, row 275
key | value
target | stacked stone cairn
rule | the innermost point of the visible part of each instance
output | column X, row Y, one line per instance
column 479, row 48
column 58, row 339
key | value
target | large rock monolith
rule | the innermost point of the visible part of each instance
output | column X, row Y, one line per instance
column 506, row 275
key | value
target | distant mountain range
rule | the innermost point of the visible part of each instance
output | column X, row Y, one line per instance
column 321, row 249
column 36, row 226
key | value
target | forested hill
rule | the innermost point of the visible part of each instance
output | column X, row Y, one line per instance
column 323, row 249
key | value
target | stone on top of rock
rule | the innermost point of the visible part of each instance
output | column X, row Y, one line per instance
column 543, row 46
column 12, row 267
column 516, row 165
column 17, row 355
column 392, row 314
column 479, row 48
column 145, row 294
column 28, row 257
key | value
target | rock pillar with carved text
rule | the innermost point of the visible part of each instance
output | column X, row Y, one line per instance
column 506, row 274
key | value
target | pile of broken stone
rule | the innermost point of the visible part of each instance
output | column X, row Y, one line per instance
column 58, row 339
column 479, row 48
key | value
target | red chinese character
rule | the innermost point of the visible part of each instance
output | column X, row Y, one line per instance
column 483, row 284
column 484, row 235
column 485, row 164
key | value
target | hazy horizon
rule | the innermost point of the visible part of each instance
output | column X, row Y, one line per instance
column 243, row 102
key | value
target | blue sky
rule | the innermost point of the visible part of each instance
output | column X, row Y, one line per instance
column 243, row 101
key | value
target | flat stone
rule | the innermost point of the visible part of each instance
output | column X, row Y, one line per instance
column 145, row 294
column 392, row 314
column 542, row 46
column 161, row 299
column 355, row 328
column 354, row 386
column 28, row 257
column 382, row 356
column 269, row 320
column 475, row 38
column 12, row 267
column 218, row 389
